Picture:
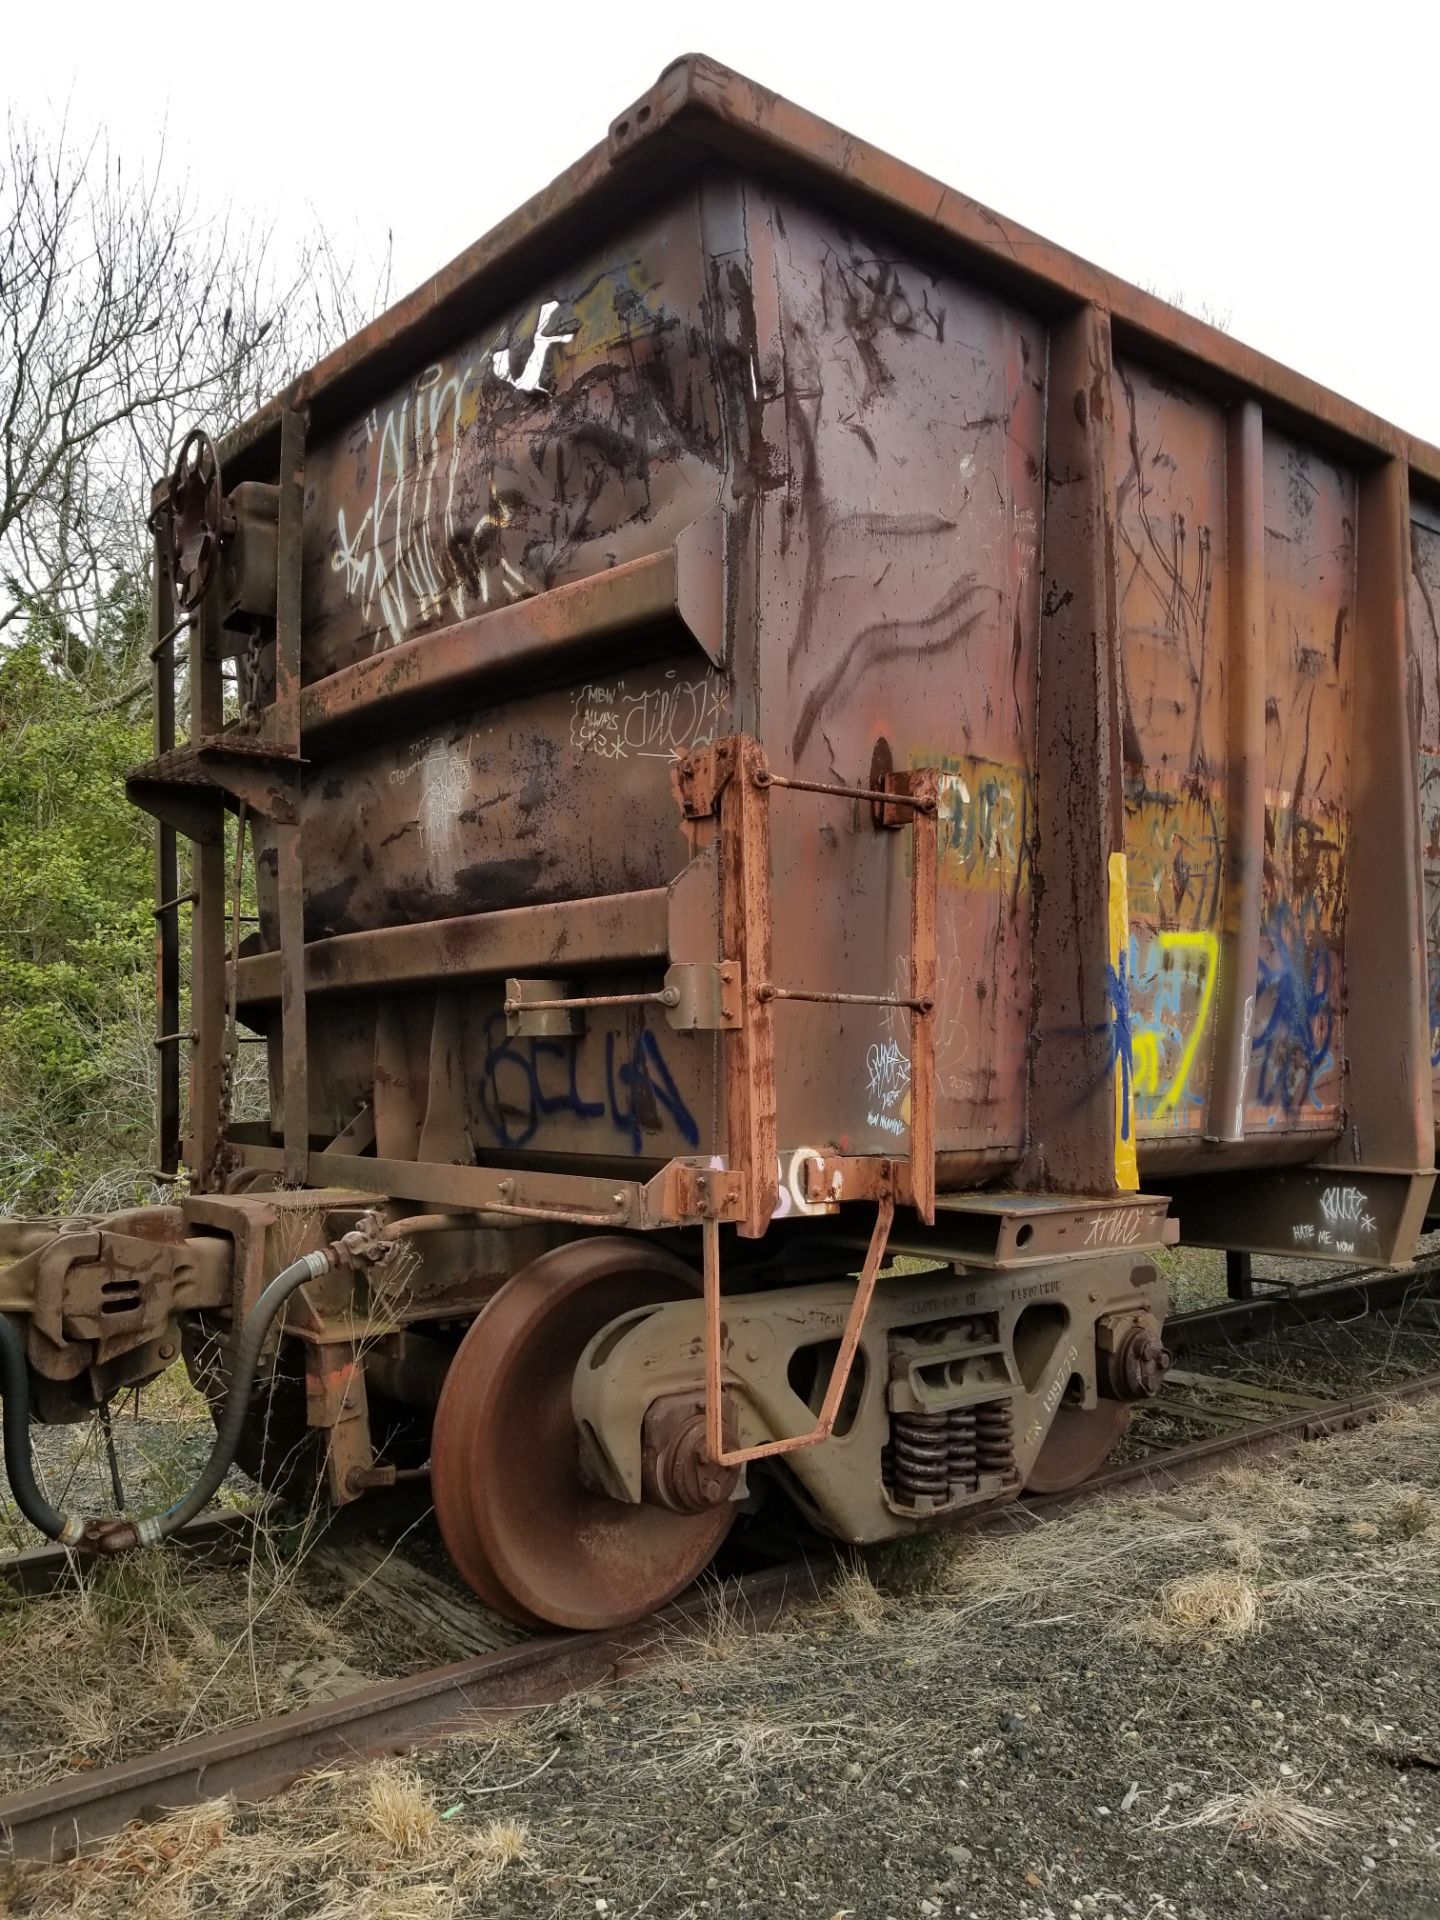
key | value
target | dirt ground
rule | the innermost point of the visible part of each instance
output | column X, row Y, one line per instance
column 1195, row 1706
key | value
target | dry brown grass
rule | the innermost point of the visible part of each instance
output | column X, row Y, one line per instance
column 1208, row 1565
column 1219, row 1605
column 1275, row 1815
column 148, row 1649
column 1413, row 1515
column 856, row 1601
column 375, row 1839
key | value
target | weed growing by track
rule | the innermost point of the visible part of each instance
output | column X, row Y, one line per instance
column 154, row 1647
column 1210, row 1705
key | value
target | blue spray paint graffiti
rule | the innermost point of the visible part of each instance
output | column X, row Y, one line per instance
column 1117, row 986
column 1172, row 989
column 527, row 1081
column 1295, row 1021
column 646, row 1083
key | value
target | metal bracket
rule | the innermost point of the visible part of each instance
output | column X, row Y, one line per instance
column 702, row 776
column 708, row 996
column 707, row 1193
column 555, row 1017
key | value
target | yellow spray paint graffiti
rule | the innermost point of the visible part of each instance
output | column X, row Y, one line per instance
column 1158, row 1086
column 1175, row 844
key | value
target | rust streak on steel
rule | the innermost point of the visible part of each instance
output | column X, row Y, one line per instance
column 745, row 940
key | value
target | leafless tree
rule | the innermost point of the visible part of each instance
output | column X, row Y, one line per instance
column 128, row 312
column 1213, row 316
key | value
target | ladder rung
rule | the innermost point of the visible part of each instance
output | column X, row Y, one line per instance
column 170, row 1039
column 180, row 900
column 166, row 638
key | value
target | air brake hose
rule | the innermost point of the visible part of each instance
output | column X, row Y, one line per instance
column 114, row 1535
column 67, row 1528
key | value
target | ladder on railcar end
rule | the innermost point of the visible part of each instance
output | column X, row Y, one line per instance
column 731, row 782
column 253, row 762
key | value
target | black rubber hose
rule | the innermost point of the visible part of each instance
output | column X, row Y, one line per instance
column 19, row 1460
column 240, row 1372
column 110, row 1536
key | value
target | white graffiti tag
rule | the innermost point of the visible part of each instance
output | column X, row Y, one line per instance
column 656, row 723
column 533, row 372
column 1120, row 1227
column 887, row 1073
column 411, row 553
column 1345, row 1206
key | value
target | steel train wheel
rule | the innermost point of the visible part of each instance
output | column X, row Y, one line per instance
column 522, row 1526
column 1079, row 1442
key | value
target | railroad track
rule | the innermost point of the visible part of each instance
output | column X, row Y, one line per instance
column 263, row 1757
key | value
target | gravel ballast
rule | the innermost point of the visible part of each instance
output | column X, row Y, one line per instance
column 1196, row 1706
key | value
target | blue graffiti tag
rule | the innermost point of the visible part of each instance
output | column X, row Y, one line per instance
column 519, row 1087
column 1292, row 1047
column 526, row 1081
column 1117, row 986
column 647, row 1085
column 1434, row 973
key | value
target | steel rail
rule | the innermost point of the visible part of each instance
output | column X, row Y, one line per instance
column 1173, row 1466
column 262, row 1758
column 63, row 1817
column 1360, row 1290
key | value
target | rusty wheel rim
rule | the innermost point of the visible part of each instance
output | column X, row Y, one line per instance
column 523, row 1528
column 1079, row 1442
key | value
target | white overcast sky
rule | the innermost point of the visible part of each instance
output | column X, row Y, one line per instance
column 1276, row 162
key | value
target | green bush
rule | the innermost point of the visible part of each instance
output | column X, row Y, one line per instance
column 76, row 932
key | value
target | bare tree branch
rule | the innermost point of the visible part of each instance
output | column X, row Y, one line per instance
column 127, row 313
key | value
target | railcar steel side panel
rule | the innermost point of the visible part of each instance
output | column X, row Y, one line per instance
column 742, row 428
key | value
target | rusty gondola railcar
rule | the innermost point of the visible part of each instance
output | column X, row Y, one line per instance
column 780, row 720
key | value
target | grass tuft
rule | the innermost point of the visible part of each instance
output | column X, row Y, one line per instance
column 1219, row 1605
column 397, row 1810
column 857, row 1601
column 373, row 1842
column 1276, row 1815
